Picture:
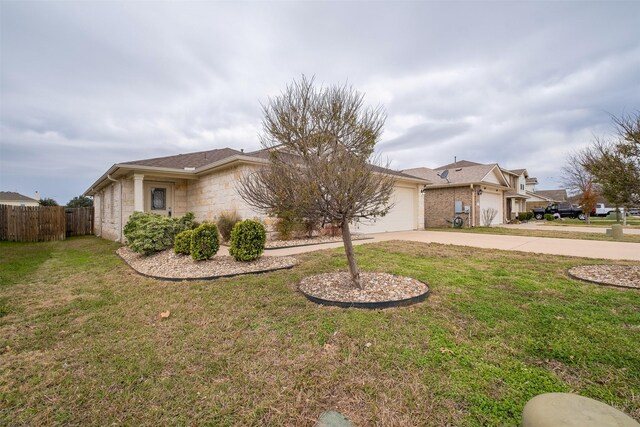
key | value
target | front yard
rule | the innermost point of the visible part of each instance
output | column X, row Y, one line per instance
column 82, row 342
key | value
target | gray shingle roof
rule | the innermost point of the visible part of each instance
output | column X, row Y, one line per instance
column 12, row 196
column 559, row 195
column 458, row 164
column 189, row 160
column 458, row 175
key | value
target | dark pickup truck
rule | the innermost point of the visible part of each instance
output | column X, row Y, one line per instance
column 565, row 210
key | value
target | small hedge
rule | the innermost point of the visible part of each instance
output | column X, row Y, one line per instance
column 147, row 233
column 525, row 216
column 226, row 222
column 549, row 217
column 247, row 240
column 182, row 244
column 204, row 242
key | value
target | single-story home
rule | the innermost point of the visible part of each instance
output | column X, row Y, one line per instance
column 16, row 199
column 466, row 189
column 205, row 183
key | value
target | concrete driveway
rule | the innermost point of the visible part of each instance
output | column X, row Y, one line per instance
column 543, row 245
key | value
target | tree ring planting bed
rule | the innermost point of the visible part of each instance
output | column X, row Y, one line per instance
column 167, row 265
column 379, row 290
column 624, row 276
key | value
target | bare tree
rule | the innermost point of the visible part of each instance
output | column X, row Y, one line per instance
column 321, row 165
column 579, row 181
column 488, row 216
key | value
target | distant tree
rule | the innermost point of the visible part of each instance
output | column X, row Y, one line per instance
column 80, row 202
column 47, row 201
column 321, row 149
column 579, row 181
column 615, row 162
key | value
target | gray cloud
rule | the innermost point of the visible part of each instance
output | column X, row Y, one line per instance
column 86, row 85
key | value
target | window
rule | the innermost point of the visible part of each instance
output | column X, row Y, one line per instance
column 158, row 199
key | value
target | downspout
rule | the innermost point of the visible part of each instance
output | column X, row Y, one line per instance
column 473, row 206
column 120, row 225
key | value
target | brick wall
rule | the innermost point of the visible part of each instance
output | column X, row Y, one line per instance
column 439, row 205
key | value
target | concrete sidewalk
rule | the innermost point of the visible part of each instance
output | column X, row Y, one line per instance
column 579, row 229
column 543, row 245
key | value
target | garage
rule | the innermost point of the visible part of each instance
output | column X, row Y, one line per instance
column 492, row 199
column 403, row 216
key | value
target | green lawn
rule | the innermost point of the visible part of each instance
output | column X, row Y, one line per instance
column 552, row 232
column 81, row 342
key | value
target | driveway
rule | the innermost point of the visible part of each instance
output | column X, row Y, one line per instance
column 543, row 245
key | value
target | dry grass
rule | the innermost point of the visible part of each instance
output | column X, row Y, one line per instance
column 82, row 342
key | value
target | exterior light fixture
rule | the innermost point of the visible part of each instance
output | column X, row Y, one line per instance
column 480, row 192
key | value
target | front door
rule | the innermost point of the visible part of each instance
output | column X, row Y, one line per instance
column 159, row 198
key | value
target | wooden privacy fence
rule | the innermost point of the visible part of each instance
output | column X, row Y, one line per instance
column 43, row 223
column 79, row 221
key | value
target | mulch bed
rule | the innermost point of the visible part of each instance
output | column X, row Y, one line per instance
column 379, row 290
column 625, row 276
column 167, row 265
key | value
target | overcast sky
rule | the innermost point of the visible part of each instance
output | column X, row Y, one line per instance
column 84, row 85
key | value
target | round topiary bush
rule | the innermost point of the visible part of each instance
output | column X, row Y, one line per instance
column 182, row 243
column 204, row 242
column 549, row 217
column 247, row 240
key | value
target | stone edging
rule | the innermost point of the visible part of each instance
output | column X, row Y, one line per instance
column 192, row 279
column 369, row 305
column 572, row 276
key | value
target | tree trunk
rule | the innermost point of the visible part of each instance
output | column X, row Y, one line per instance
column 588, row 221
column 351, row 257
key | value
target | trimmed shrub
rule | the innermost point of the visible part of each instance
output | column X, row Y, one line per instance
column 225, row 223
column 525, row 216
column 187, row 221
column 247, row 240
column 204, row 242
column 549, row 217
column 147, row 233
column 182, row 243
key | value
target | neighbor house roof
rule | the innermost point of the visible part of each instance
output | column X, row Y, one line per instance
column 518, row 171
column 461, row 175
column 458, row 164
column 559, row 195
column 11, row 196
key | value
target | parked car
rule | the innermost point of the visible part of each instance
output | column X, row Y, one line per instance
column 634, row 212
column 565, row 210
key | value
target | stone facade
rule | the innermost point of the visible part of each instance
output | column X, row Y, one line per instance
column 215, row 193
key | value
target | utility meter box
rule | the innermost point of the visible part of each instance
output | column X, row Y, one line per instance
column 458, row 206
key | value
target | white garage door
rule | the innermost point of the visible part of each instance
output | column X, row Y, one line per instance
column 493, row 200
column 403, row 215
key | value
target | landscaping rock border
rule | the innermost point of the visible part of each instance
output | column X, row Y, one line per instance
column 380, row 290
column 620, row 276
column 167, row 265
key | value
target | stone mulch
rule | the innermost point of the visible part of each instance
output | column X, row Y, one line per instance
column 377, row 288
column 627, row 276
column 277, row 244
column 171, row 266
